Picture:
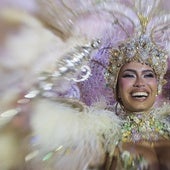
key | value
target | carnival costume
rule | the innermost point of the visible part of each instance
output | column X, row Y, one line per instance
column 74, row 120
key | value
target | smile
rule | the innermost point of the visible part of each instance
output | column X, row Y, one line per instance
column 140, row 95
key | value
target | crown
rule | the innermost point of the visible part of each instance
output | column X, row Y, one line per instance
column 141, row 49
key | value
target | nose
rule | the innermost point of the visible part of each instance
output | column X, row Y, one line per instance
column 139, row 82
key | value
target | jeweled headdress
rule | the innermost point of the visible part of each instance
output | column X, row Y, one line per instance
column 140, row 49
column 131, row 31
column 145, row 46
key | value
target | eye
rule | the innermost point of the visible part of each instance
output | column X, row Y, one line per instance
column 128, row 75
column 149, row 75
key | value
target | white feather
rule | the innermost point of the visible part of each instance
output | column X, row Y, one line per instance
column 57, row 124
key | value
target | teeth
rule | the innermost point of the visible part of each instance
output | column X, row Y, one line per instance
column 138, row 94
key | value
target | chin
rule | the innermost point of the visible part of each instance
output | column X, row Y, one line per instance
column 139, row 109
column 139, row 106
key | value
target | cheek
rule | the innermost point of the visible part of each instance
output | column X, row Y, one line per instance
column 153, row 85
column 124, row 86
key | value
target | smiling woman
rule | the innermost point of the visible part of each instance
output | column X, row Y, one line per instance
column 136, row 82
column 145, row 135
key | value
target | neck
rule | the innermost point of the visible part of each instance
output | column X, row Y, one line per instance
column 144, row 113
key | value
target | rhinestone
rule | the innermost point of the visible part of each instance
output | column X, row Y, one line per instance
column 32, row 94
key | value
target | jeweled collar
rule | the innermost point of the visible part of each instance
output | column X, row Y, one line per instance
column 143, row 126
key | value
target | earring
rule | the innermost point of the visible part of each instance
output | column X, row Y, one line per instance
column 159, row 90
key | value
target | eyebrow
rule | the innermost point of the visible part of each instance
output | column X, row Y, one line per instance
column 143, row 71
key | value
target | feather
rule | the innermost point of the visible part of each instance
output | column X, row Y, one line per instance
column 146, row 8
column 159, row 28
column 57, row 124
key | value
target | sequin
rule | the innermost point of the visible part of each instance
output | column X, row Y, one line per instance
column 143, row 127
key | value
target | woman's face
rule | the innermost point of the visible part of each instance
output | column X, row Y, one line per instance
column 137, row 87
